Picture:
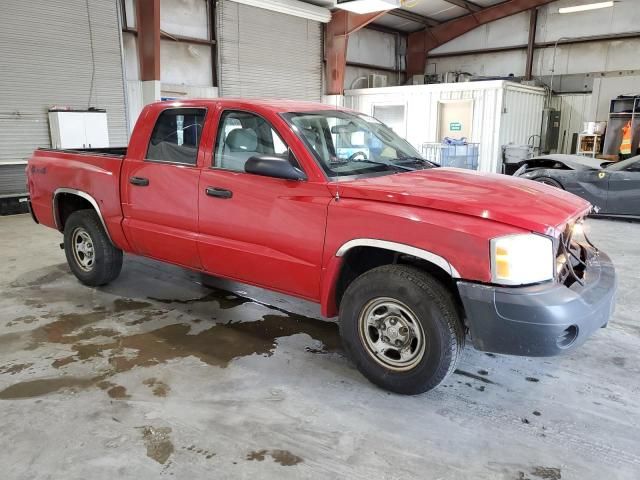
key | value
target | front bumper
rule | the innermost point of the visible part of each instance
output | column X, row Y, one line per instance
column 540, row 320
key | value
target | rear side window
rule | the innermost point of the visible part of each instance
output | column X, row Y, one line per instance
column 176, row 136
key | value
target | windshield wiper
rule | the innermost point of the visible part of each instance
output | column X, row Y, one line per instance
column 392, row 165
column 421, row 160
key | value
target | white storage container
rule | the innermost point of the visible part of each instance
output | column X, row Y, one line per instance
column 500, row 113
column 78, row 129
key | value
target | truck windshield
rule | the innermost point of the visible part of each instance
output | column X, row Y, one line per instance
column 348, row 144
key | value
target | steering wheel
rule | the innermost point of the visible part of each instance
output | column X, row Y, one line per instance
column 355, row 155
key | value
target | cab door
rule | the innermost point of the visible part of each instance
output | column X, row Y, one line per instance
column 159, row 189
column 259, row 230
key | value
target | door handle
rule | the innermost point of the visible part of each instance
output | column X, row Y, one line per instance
column 139, row 181
column 218, row 192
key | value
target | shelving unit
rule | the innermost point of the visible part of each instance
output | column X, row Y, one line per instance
column 622, row 110
column 589, row 144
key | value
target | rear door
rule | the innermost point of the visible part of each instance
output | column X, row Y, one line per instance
column 260, row 230
column 160, row 189
column 624, row 189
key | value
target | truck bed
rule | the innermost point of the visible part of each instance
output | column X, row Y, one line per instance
column 92, row 172
column 111, row 151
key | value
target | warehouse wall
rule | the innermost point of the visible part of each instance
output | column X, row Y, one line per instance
column 55, row 54
column 577, row 66
column 368, row 49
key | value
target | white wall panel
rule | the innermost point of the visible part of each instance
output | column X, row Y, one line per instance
column 185, row 17
column 623, row 17
column 501, row 33
column 185, row 63
column 131, row 63
column 372, row 47
column 486, row 64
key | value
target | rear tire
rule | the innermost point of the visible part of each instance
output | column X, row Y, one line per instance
column 549, row 181
column 91, row 256
column 401, row 328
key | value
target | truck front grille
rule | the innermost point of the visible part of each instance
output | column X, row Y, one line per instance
column 571, row 258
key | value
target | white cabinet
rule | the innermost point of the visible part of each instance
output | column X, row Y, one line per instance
column 78, row 129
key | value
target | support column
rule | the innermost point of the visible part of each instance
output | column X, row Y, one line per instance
column 148, row 25
column 343, row 23
column 533, row 25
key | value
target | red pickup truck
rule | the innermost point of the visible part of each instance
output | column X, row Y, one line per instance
column 332, row 206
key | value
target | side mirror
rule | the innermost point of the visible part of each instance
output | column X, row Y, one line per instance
column 273, row 166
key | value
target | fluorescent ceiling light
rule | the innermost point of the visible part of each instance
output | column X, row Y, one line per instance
column 584, row 8
column 367, row 6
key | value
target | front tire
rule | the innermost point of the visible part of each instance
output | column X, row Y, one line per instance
column 402, row 329
column 91, row 256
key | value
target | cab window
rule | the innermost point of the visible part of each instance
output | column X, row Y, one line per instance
column 176, row 136
column 242, row 135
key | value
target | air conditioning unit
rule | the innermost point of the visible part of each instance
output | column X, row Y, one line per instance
column 376, row 81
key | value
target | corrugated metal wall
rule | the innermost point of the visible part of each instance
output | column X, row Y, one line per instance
column 268, row 54
column 45, row 60
column 493, row 126
column 574, row 111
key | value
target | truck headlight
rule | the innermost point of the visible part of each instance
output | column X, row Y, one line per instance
column 522, row 259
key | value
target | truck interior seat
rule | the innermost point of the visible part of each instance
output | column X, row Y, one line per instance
column 240, row 145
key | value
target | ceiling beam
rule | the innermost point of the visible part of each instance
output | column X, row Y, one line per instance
column 470, row 6
column 413, row 17
column 421, row 43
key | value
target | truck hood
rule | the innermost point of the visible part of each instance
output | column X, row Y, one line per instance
column 513, row 201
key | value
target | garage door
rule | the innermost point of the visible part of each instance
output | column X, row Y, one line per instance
column 268, row 54
column 46, row 58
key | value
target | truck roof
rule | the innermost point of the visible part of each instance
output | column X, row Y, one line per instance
column 274, row 105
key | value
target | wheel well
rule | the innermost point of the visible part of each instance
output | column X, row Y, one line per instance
column 359, row 260
column 66, row 204
column 542, row 178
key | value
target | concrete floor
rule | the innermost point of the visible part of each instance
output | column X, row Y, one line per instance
column 158, row 375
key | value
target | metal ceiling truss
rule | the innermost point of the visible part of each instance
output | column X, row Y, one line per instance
column 420, row 43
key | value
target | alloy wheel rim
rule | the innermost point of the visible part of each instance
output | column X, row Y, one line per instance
column 392, row 334
column 83, row 251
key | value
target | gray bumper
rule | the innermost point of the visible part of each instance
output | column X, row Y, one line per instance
column 540, row 320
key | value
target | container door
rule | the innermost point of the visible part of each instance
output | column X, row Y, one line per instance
column 455, row 119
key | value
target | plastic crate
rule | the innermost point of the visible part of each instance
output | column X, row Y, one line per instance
column 447, row 155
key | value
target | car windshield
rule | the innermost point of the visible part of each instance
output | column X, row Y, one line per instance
column 348, row 144
column 624, row 164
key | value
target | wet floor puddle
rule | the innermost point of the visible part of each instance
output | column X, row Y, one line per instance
column 217, row 345
column 283, row 457
column 158, row 443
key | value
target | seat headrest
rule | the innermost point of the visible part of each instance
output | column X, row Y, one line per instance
column 242, row 140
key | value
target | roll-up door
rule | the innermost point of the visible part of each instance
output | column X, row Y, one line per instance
column 47, row 58
column 263, row 53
